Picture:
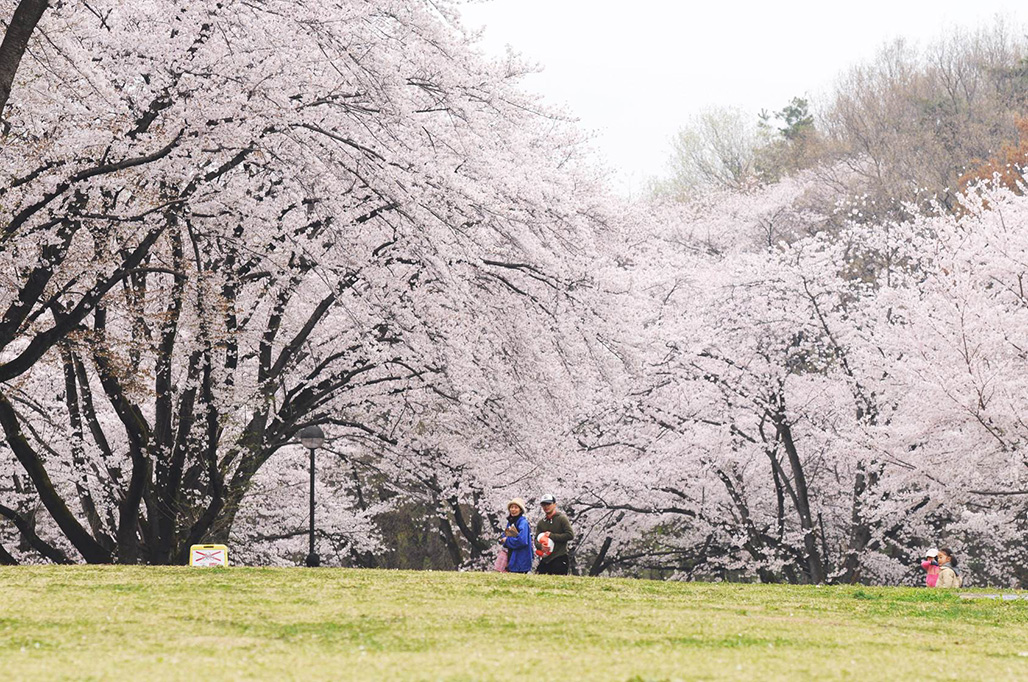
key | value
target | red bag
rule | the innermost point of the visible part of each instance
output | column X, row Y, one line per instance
column 501, row 561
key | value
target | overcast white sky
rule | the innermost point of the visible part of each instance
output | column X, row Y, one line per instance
column 634, row 71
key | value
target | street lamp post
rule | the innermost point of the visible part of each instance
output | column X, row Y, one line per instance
column 312, row 437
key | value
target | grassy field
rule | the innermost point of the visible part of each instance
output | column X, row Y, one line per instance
column 107, row 623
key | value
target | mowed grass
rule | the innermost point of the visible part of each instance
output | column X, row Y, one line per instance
column 106, row 623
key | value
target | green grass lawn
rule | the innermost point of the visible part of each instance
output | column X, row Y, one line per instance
column 109, row 623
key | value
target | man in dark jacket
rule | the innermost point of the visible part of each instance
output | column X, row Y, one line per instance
column 559, row 528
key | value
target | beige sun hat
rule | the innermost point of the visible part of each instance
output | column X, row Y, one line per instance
column 521, row 503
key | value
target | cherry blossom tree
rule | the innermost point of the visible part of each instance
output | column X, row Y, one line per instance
column 781, row 428
column 223, row 223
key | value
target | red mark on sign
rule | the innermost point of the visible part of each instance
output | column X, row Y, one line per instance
column 202, row 557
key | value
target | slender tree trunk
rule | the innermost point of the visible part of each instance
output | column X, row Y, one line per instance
column 449, row 539
column 860, row 533
column 598, row 565
column 216, row 524
column 222, row 504
column 128, row 516
column 478, row 545
column 78, row 451
column 167, row 465
column 16, row 41
column 815, row 567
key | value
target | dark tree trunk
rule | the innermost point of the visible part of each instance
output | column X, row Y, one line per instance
column 478, row 545
column 29, row 534
column 85, row 543
column 71, row 396
column 449, row 540
column 598, row 565
column 16, row 41
column 815, row 567
column 5, row 557
column 860, row 529
column 860, row 534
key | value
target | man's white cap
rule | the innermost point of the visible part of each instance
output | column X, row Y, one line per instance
column 932, row 553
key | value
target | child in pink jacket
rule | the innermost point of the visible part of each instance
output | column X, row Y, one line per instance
column 931, row 565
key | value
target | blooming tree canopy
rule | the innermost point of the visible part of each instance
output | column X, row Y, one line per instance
column 224, row 222
column 221, row 223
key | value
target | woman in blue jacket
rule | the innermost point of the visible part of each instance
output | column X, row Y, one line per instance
column 517, row 538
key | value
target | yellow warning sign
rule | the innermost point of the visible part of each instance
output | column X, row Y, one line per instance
column 208, row 555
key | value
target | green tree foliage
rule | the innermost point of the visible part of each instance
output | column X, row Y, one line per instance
column 789, row 138
column 794, row 119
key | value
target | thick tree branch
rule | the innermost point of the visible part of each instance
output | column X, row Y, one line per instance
column 90, row 549
column 44, row 341
column 5, row 557
column 37, row 543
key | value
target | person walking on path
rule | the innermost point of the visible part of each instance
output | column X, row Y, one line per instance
column 931, row 566
column 949, row 576
column 557, row 528
column 517, row 538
